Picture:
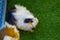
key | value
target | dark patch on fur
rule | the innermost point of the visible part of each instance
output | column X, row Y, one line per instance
column 28, row 20
column 9, row 17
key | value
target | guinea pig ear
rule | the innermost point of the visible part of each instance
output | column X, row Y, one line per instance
column 20, row 7
column 17, row 6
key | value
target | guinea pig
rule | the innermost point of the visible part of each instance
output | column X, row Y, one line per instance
column 22, row 18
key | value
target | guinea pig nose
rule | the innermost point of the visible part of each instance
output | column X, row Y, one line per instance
column 28, row 20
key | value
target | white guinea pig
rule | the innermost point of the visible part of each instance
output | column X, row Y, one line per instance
column 23, row 18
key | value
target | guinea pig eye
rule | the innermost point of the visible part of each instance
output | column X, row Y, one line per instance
column 28, row 20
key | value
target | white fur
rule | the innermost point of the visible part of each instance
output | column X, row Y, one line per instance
column 9, row 38
column 21, row 14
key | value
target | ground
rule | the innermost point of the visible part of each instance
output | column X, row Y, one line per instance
column 48, row 13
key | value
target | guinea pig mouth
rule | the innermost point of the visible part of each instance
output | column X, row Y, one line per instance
column 33, row 28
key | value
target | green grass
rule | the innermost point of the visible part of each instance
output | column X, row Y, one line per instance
column 48, row 13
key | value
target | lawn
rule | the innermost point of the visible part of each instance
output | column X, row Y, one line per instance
column 48, row 13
